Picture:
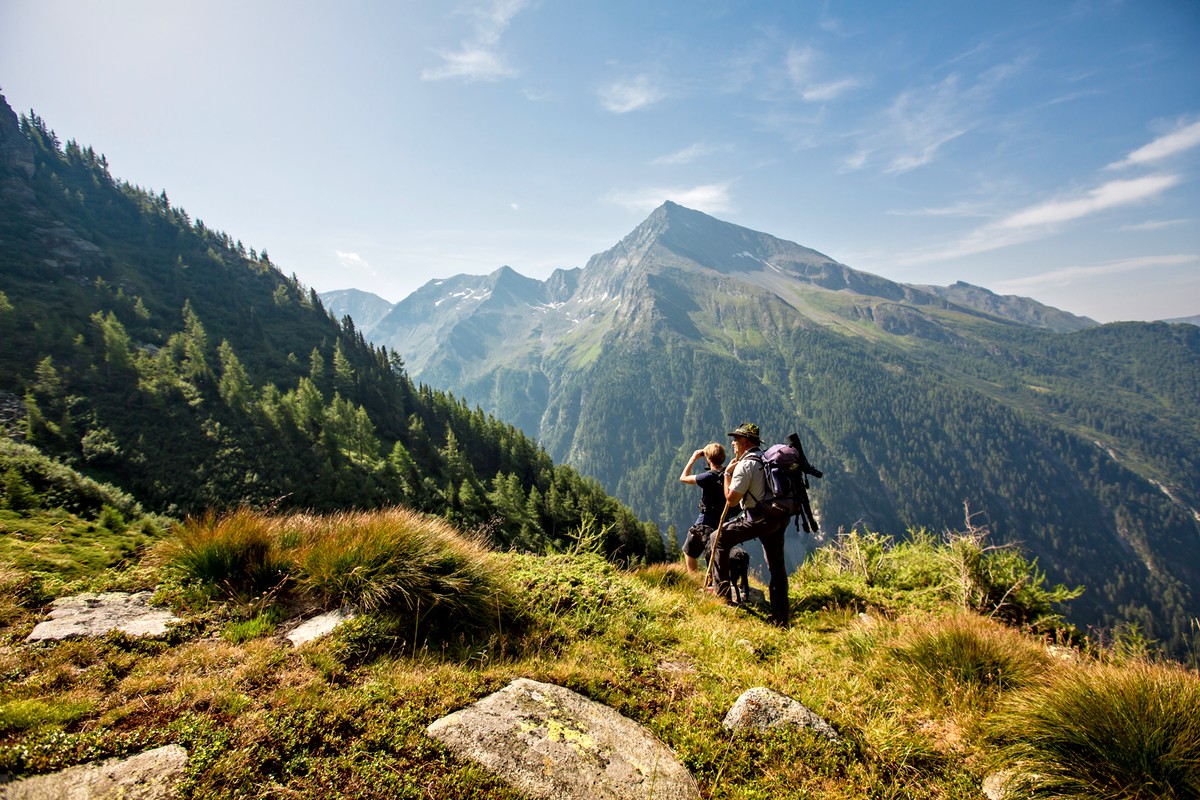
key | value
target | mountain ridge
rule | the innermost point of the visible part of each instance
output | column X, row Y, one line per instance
column 689, row 325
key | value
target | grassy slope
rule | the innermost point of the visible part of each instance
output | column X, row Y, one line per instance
column 916, row 687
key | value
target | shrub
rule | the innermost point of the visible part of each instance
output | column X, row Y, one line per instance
column 1104, row 732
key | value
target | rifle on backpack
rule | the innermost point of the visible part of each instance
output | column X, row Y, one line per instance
column 785, row 471
column 806, row 469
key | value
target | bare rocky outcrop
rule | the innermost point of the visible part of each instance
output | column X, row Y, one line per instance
column 95, row 614
column 152, row 775
column 761, row 709
column 550, row 742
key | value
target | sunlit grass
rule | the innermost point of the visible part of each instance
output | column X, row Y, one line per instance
column 914, row 695
column 965, row 660
column 1104, row 732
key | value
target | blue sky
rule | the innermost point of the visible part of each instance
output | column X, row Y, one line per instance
column 1049, row 149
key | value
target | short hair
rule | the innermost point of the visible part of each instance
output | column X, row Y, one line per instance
column 715, row 453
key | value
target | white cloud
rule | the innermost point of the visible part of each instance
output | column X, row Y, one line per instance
column 1102, row 198
column 355, row 262
column 712, row 198
column 687, row 155
column 472, row 63
column 1065, row 276
column 1155, row 225
column 1043, row 219
column 921, row 122
column 477, row 58
column 621, row 97
column 802, row 70
column 1183, row 138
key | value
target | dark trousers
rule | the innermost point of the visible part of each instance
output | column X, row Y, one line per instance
column 769, row 531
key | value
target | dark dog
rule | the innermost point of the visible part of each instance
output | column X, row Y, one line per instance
column 739, row 573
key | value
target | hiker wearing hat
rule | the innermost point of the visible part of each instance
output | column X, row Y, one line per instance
column 744, row 482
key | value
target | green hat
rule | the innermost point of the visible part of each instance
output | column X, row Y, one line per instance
column 747, row 429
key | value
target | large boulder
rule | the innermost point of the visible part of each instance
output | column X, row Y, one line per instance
column 152, row 775
column 92, row 614
column 550, row 742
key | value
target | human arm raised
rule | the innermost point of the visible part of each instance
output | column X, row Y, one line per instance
column 686, row 476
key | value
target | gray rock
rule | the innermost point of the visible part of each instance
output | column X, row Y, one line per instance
column 550, row 742
column 151, row 775
column 761, row 709
column 97, row 614
column 318, row 626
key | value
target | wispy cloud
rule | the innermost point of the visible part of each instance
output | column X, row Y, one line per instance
column 960, row 210
column 1065, row 276
column 803, row 71
column 712, row 198
column 621, row 97
column 921, row 120
column 1045, row 218
column 353, row 261
column 1183, row 138
column 1109, row 195
column 687, row 155
column 478, row 58
column 1155, row 225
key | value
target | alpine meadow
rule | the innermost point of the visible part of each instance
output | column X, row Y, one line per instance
column 482, row 482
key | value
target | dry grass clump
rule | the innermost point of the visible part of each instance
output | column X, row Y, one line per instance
column 395, row 561
column 1104, row 732
column 967, row 661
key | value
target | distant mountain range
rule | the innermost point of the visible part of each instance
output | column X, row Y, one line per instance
column 1076, row 439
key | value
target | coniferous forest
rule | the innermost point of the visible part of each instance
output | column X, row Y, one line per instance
column 164, row 357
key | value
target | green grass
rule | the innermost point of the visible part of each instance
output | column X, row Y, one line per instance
column 923, row 693
column 1105, row 732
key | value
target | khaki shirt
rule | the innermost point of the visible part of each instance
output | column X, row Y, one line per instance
column 748, row 479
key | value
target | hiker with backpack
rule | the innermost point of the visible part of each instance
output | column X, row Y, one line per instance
column 745, row 486
column 712, row 501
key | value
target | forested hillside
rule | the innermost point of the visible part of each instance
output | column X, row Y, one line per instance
column 167, row 358
column 1077, row 441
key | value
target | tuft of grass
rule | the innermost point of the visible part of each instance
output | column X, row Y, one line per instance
column 263, row 623
column 966, row 661
column 395, row 560
column 235, row 552
column 31, row 713
column 1104, row 732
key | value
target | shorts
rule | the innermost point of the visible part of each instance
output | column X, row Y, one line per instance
column 696, row 542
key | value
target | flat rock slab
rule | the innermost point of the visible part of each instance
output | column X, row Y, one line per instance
column 762, row 709
column 97, row 614
column 552, row 743
column 318, row 626
column 151, row 775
